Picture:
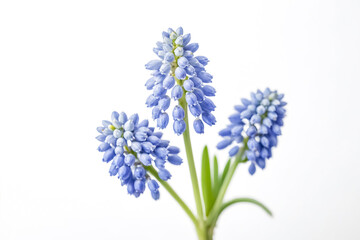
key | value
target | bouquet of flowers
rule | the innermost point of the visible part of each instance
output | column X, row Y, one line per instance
column 138, row 153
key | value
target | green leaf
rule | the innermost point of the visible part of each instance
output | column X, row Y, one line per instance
column 226, row 169
column 247, row 200
column 206, row 181
column 216, row 185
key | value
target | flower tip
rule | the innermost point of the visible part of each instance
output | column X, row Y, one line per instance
column 252, row 169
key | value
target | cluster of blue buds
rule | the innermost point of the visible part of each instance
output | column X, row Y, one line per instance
column 132, row 146
column 257, row 123
column 180, row 72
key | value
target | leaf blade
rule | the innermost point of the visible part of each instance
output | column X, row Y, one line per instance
column 216, row 177
column 206, row 181
column 226, row 169
column 247, row 200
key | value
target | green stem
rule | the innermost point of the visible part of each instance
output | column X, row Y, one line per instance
column 172, row 192
column 200, row 226
column 205, row 233
column 219, row 200
column 190, row 158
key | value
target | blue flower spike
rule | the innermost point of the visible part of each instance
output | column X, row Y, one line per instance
column 179, row 74
column 131, row 145
column 258, row 121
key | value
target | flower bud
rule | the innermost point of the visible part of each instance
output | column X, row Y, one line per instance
column 180, row 73
column 178, row 113
column 179, row 126
column 198, row 126
column 177, row 92
column 163, row 120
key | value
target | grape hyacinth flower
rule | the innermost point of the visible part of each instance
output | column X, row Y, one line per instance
column 132, row 146
column 184, row 76
column 257, row 123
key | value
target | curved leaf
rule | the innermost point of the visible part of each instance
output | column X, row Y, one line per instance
column 248, row 200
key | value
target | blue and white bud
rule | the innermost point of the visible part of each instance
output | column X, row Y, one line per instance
column 176, row 92
column 103, row 147
column 129, row 126
column 145, row 159
column 209, row 118
column 153, row 185
column 252, row 168
column 101, row 138
column 147, row 147
column 188, row 85
column 198, row 126
column 153, row 140
column 156, row 112
column 197, row 82
column 119, row 150
column 108, row 155
column 139, row 172
column 173, row 35
column 106, row 123
column 207, row 105
column 165, row 68
column 164, row 103
column 199, row 94
column 203, row 60
column 224, row 143
column 129, row 160
column 128, row 135
column 153, row 65
column 233, row 151
column 180, row 73
column 139, row 185
column 179, row 40
column 191, row 98
column 182, row 62
column 163, row 120
column 140, row 136
column 178, row 113
column 179, row 31
column 161, row 152
column 193, row 47
column 117, row 133
column 174, row 159
column 186, row 39
column 155, row 195
column 152, row 101
column 167, row 48
column 195, row 110
column 205, row 77
column 169, row 82
column 164, row 174
column 169, row 57
column 208, row 90
column 179, row 126
column 179, row 51
column 163, row 143
column 190, row 70
column 173, row 150
column 124, row 172
column 136, row 146
column 159, row 90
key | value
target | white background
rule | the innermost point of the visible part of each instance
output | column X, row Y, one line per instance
column 65, row 65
